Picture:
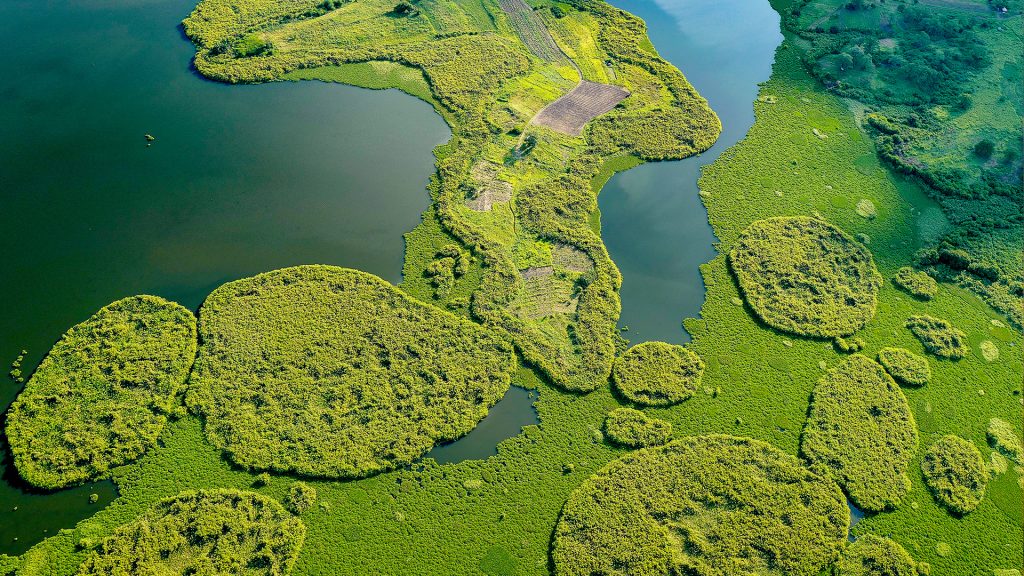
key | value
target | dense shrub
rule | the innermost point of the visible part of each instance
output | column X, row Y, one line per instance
column 904, row 366
column 1004, row 438
column 955, row 473
column 916, row 283
column 657, row 374
column 872, row 555
column 332, row 372
column 706, row 506
column 301, row 497
column 861, row 431
column 805, row 276
column 939, row 337
column 634, row 429
column 102, row 395
column 203, row 533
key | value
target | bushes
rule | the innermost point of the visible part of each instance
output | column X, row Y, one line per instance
column 657, row 374
column 708, row 506
column 331, row 372
column 904, row 366
column 103, row 394
column 805, row 276
column 939, row 337
column 955, row 473
column 301, row 497
column 916, row 283
column 634, row 429
column 860, row 430
column 872, row 555
column 203, row 533
column 1003, row 438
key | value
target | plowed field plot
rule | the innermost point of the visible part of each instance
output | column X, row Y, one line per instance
column 570, row 113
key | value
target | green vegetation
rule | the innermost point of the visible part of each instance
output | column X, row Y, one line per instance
column 489, row 71
column 872, row 555
column 904, row 366
column 916, row 283
column 1004, row 438
column 205, row 532
column 861, row 431
column 711, row 505
column 939, row 336
column 508, row 505
column 938, row 88
column 955, row 473
column 301, row 497
column 657, row 374
column 805, row 276
column 331, row 372
column 104, row 392
column 634, row 429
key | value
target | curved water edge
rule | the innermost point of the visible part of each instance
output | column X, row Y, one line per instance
column 505, row 420
column 652, row 219
column 240, row 180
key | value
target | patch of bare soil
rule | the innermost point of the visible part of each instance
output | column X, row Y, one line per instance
column 570, row 113
column 571, row 258
column 490, row 189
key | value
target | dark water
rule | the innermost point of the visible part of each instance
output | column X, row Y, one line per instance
column 652, row 219
column 241, row 179
column 856, row 515
column 504, row 421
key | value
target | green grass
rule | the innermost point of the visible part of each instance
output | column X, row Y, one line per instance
column 335, row 373
column 660, row 511
column 657, row 374
column 860, row 431
column 104, row 392
column 805, row 276
column 634, row 429
column 205, row 532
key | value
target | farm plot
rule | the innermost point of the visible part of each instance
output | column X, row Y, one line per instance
column 531, row 30
column 490, row 188
column 570, row 113
column 545, row 294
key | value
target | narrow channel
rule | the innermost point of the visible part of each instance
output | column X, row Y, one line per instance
column 652, row 219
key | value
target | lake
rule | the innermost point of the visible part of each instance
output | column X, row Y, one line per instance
column 652, row 219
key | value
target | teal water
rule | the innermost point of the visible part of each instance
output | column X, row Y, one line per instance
column 505, row 420
column 652, row 219
column 240, row 180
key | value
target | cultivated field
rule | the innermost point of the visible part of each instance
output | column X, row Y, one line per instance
column 570, row 113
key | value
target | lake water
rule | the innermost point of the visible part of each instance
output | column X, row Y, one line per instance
column 652, row 219
column 240, row 180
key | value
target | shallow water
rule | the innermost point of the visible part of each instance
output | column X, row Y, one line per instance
column 652, row 219
column 240, row 180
